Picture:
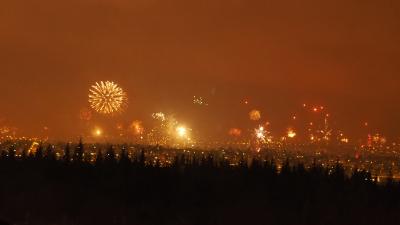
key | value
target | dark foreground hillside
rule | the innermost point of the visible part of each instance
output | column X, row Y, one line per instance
column 40, row 190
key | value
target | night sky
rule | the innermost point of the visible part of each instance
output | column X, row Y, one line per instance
column 343, row 54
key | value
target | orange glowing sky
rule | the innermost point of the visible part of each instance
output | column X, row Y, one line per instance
column 343, row 54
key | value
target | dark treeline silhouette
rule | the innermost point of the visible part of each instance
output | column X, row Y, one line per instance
column 40, row 188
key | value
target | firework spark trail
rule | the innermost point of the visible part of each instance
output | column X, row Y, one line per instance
column 107, row 97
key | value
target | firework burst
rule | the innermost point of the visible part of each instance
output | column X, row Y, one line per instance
column 255, row 115
column 199, row 101
column 107, row 97
column 235, row 132
column 160, row 116
column 291, row 133
column 169, row 132
column 260, row 133
column 85, row 114
column 137, row 128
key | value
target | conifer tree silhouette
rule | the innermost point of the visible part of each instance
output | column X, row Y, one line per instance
column 78, row 154
column 110, row 158
column 67, row 154
column 4, row 155
column 124, row 158
column 99, row 158
column 39, row 152
column 12, row 152
column 50, row 154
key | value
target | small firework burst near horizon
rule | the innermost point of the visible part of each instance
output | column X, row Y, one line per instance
column 85, row 114
column 159, row 116
column 137, row 128
column 255, row 115
column 235, row 132
column 199, row 101
column 260, row 133
column 291, row 133
column 107, row 97
column 168, row 131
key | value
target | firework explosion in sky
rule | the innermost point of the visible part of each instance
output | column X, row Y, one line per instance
column 107, row 97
